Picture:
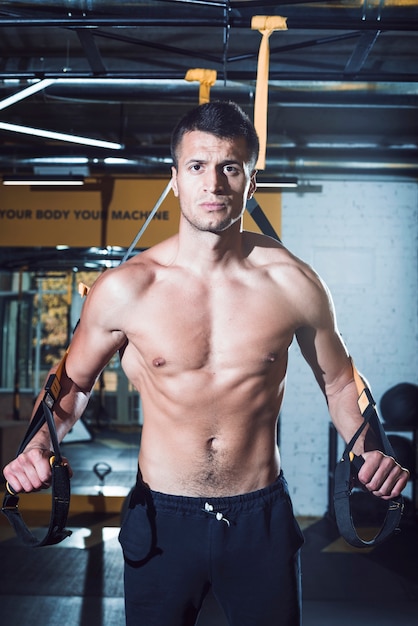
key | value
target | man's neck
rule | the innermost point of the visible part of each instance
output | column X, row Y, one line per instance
column 202, row 250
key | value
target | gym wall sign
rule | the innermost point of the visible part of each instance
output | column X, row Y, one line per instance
column 86, row 216
column 96, row 215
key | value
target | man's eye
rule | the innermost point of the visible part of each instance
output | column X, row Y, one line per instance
column 230, row 169
column 196, row 167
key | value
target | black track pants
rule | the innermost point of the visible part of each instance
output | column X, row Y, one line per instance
column 246, row 548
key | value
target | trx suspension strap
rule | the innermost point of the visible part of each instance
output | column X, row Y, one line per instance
column 60, row 484
column 266, row 24
column 60, row 475
column 349, row 466
column 206, row 78
column 261, row 219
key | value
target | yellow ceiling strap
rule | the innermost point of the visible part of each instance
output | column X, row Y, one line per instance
column 266, row 25
column 206, row 78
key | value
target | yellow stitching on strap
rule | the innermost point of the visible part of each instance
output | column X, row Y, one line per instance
column 83, row 289
column 363, row 399
column 206, row 78
column 266, row 25
column 60, row 367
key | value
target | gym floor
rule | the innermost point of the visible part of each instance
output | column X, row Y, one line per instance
column 80, row 581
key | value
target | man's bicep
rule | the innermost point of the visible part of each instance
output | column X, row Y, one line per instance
column 320, row 341
column 326, row 354
column 91, row 348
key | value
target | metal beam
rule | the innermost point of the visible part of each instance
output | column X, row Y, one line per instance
column 279, row 76
column 91, row 51
column 357, row 60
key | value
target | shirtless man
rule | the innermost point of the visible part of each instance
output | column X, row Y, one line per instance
column 203, row 322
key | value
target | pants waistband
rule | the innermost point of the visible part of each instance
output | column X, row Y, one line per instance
column 189, row 504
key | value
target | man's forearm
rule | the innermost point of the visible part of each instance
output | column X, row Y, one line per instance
column 346, row 415
column 69, row 407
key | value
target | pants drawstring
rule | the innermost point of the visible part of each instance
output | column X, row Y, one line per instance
column 219, row 516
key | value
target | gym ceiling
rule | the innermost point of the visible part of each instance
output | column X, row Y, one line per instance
column 342, row 91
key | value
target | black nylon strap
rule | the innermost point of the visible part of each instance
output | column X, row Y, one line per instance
column 349, row 466
column 60, row 504
column 261, row 219
column 60, row 486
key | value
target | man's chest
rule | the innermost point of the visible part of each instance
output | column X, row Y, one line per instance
column 210, row 326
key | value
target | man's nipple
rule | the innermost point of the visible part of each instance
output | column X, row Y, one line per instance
column 158, row 362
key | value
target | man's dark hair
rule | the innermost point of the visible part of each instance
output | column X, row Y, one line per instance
column 223, row 119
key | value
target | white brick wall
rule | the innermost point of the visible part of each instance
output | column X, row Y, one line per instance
column 362, row 239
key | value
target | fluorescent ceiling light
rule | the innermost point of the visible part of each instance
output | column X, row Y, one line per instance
column 119, row 161
column 25, row 93
column 59, row 160
column 49, row 134
column 339, row 145
column 288, row 181
column 43, row 181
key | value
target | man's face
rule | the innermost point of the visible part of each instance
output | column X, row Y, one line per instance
column 212, row 180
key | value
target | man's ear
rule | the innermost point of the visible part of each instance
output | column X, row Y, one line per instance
column 253, row 185
column 174, row 181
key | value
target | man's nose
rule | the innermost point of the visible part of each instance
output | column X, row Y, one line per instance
column 214, row 181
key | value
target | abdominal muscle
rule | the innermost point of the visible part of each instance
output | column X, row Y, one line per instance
column 192, row 447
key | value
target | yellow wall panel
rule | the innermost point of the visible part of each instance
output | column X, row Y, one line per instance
column 84, row 218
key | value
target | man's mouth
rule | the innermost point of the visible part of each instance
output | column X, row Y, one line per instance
column 213, row 206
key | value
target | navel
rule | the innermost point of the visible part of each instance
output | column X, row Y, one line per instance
column 158, row 362
column 211, row 448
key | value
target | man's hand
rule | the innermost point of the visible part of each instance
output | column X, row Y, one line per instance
column 382, row 475
column 31, row 470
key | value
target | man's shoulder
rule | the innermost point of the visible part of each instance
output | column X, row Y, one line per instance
column 294, row 275
column 141, row 268
column 266, row 250
column 129, row 278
